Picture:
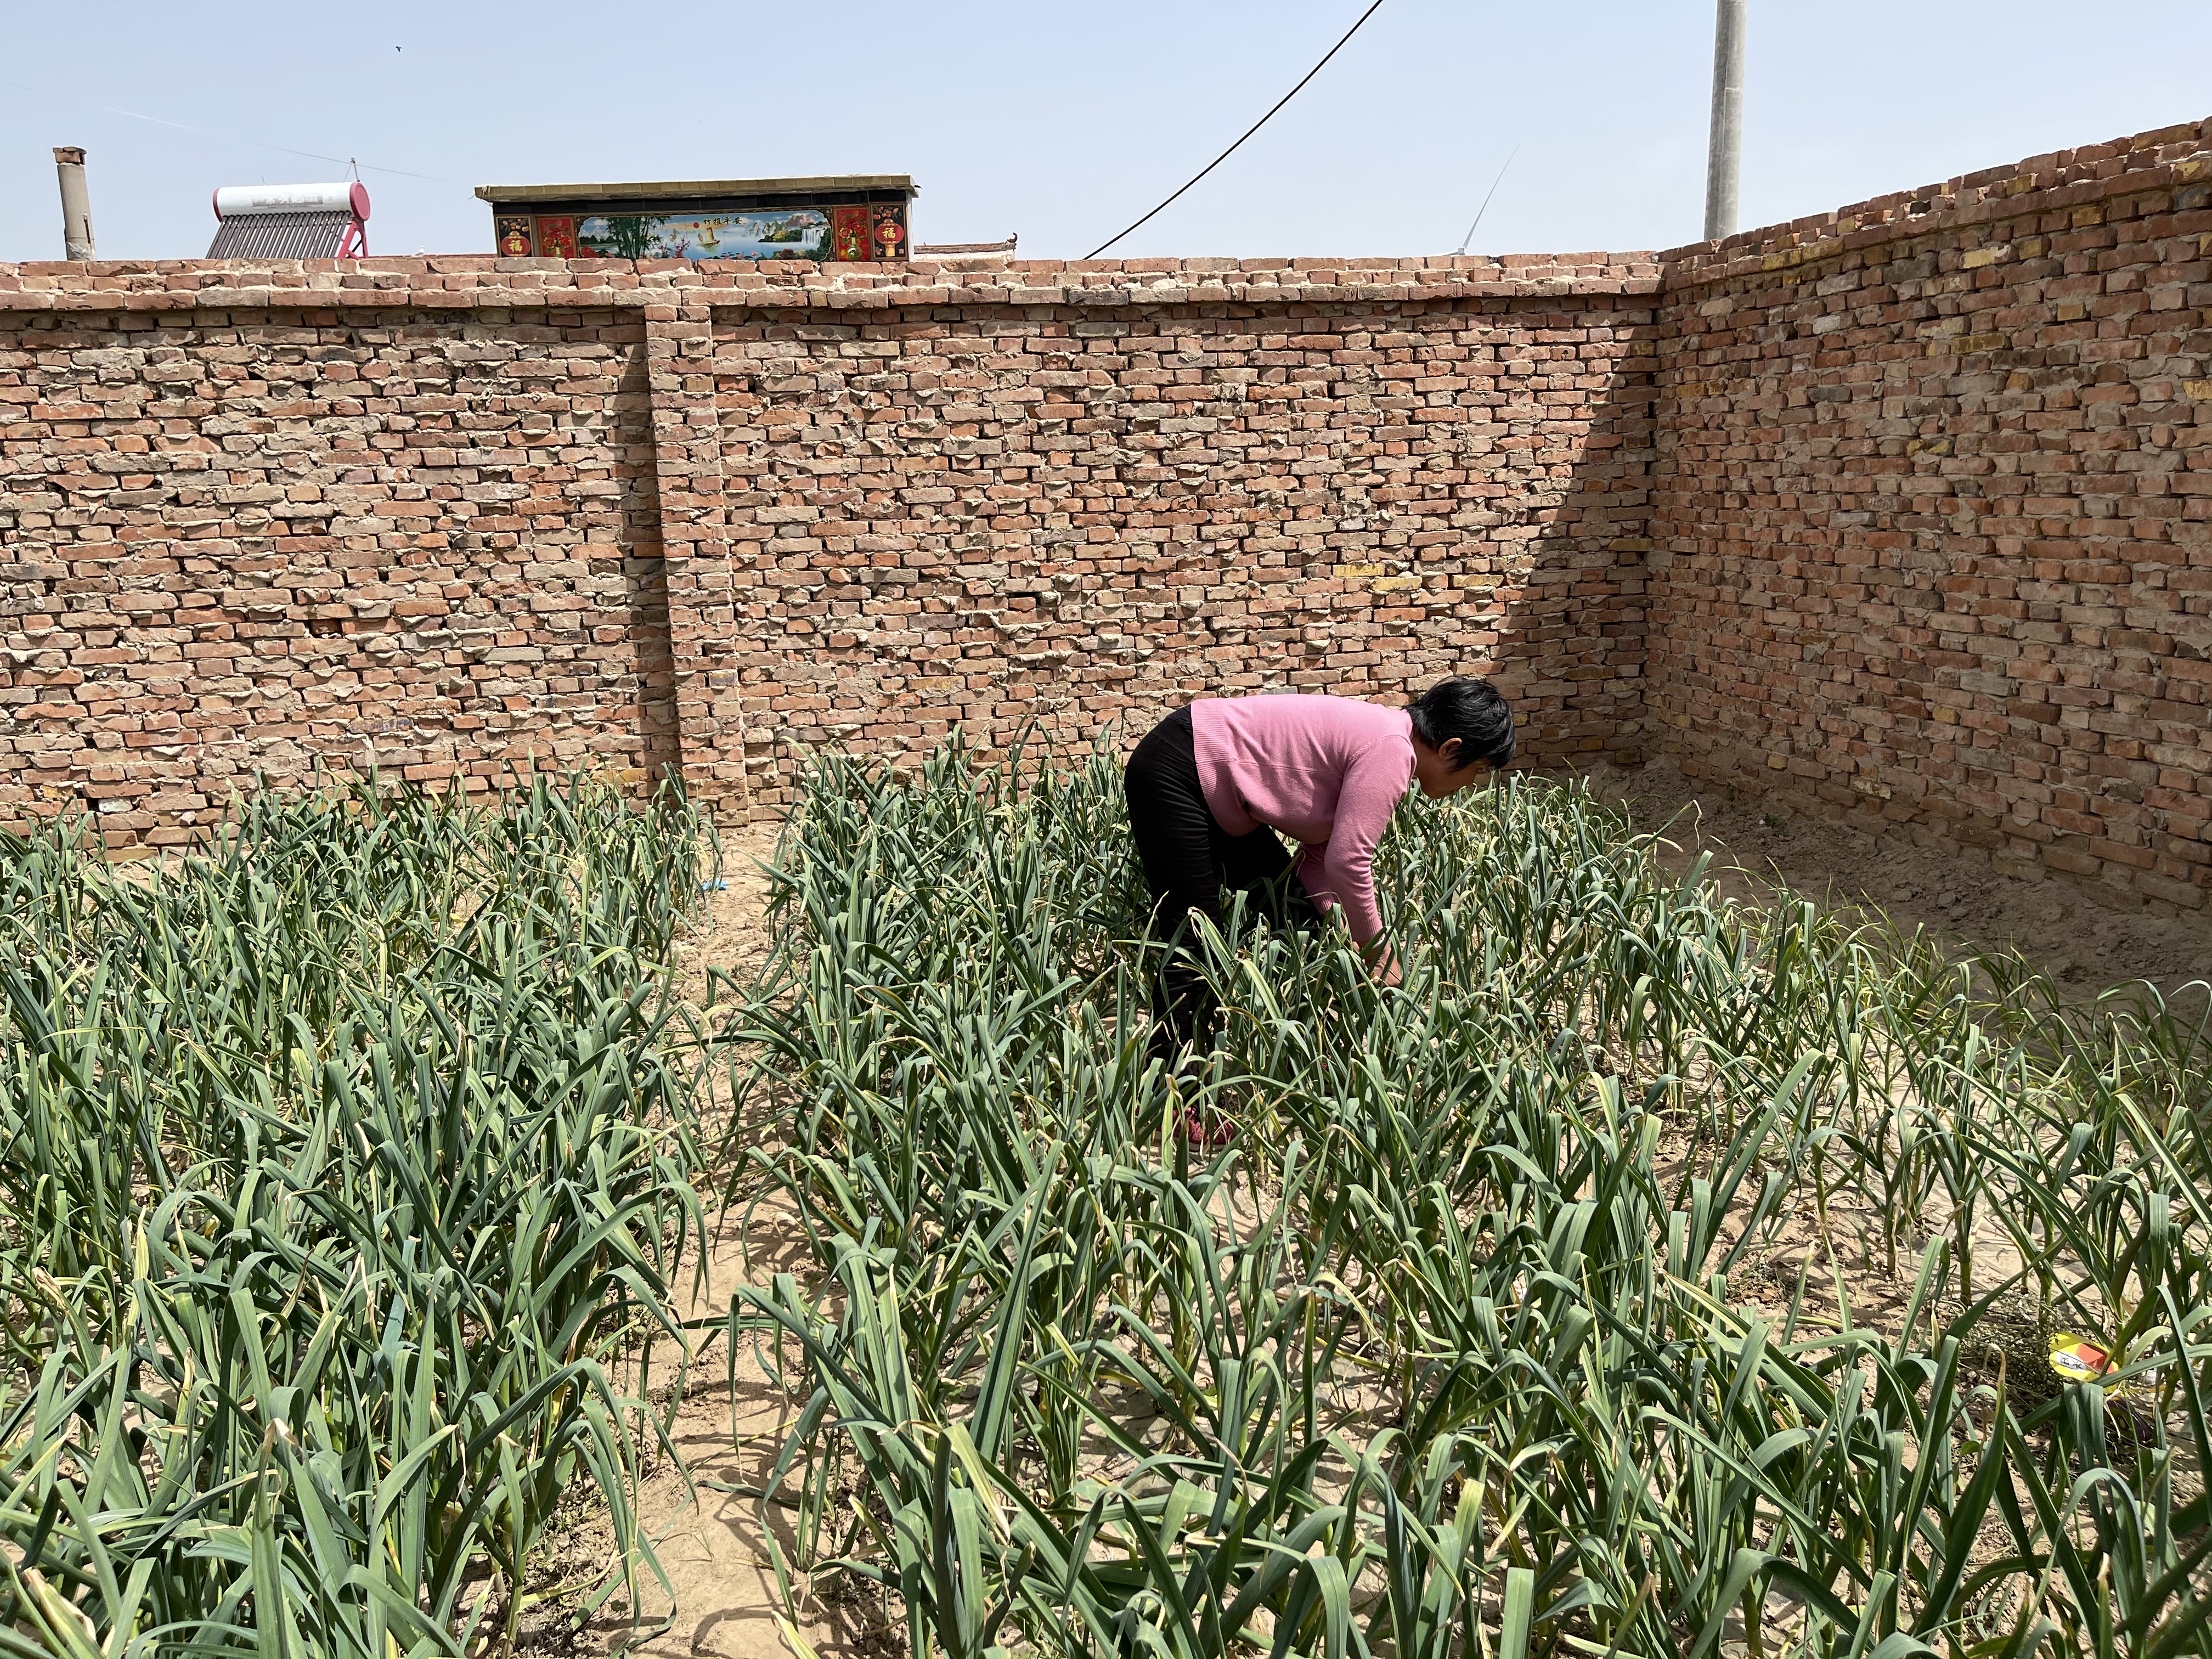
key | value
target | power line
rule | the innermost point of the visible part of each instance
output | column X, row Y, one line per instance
column 1248, row 132
column 254, row 143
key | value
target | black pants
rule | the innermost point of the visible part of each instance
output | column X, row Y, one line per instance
column 1189, row 861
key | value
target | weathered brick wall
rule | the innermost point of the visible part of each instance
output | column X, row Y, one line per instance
column 1911, row 499
column 1931, row 509
column 454, row 513
column 1075, row 514
column 256, row 540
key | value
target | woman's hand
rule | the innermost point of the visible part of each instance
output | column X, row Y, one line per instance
column 1382, row 962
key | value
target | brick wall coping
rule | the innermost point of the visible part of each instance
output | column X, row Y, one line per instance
column 2060, row 183
column 2064, row 181
column 474, row 282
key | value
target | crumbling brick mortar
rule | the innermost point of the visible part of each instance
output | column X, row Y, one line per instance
column 450, row 517
column 1059, row 518
column 256, row 541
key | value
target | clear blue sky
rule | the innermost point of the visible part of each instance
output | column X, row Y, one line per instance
column 1064, row 121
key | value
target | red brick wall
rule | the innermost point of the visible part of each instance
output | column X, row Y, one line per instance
column 1931, row 514
column 1911, row 499
column 1000, row 515
column 254, row 541
column 455, row 513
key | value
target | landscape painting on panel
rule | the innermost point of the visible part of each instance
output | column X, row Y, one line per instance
column 764, row 234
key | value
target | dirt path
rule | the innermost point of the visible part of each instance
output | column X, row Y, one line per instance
column 728, row 1432
column 732, row 1421
column 731, row 1426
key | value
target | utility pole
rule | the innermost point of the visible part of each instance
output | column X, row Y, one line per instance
column 1723, row 159
column 77, row 205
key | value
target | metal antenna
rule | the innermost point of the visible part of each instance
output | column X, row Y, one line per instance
column 1485, row 208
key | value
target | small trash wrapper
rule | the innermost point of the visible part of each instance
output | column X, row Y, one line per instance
column 2078, row 1359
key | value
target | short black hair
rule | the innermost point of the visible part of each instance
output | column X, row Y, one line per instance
column 1473, row 712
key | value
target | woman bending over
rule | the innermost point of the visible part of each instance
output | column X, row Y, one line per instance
column 1212, row 784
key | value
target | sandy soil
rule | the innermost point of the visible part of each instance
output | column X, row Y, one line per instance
column 2066, row 929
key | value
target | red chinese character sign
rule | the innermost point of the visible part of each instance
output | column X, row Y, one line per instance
column 512, row 236
column 890, row 230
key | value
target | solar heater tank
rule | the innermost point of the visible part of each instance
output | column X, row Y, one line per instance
column 291, row 221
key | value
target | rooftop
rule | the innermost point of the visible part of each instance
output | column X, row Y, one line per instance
column 673, row 189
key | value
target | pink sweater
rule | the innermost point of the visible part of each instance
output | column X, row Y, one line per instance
column 1326, row 771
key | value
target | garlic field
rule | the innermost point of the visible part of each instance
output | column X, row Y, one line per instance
column 344, row 1169
column 1645, row 1276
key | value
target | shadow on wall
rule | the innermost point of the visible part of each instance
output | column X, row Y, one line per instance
column 1918, row 532
column 1079, row 520
column 1931, row 500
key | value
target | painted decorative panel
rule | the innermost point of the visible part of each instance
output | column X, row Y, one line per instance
column 848, row 233
column 760, row 233
column 890, row 230
column 557, row 236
